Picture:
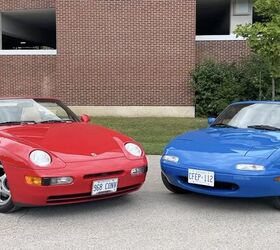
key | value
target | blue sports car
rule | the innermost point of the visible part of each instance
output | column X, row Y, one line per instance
column 238, row 155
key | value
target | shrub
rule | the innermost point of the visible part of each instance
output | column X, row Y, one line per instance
column 217, row 84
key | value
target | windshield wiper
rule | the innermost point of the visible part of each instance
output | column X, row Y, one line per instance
column 222, row 125
column 264, row 127
column 57, row 121
column 17, row 123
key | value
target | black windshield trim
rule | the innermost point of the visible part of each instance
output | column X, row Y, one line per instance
column 264, row 127
column 17, row 123
column 222, row 125
column 57, row 121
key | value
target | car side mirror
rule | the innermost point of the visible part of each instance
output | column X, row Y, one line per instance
column 85, row 118
column 211, row 120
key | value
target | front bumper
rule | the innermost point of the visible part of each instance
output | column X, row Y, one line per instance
column 83, row 173
column 227, row 185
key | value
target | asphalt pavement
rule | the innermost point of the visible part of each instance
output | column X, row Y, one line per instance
column 152, row 218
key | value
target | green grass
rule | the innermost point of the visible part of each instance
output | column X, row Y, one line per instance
column 153, row 133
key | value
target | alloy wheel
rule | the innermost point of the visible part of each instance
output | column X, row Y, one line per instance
column 5, row 194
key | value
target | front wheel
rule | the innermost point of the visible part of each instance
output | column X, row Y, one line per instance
column 276, row 202
column 6, row 203
column 171, row 187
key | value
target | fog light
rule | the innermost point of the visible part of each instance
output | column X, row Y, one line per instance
column 32, row 180
column 58, row 181
column 138, row 171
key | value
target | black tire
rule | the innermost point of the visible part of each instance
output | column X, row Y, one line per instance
column 171, row 187
column 6, row 201
column 276, row 202
column 8, row 208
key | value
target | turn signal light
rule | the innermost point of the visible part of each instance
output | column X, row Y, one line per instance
column 38, row 181
column 277, row 178
column 32, row 180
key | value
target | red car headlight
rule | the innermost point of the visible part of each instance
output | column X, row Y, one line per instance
column 133, row 149
column 40, row 158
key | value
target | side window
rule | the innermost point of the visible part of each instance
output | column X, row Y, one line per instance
column 55, row 111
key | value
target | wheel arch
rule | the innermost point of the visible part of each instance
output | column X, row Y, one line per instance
column 8, row 158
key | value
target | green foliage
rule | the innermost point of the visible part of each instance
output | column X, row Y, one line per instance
column 219, row 84
column 152, row 132
column 254, row 79
column 264, row 38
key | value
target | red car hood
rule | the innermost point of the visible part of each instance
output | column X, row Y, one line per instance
column 71, row 142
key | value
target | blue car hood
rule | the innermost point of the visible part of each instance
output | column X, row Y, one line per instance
column 225, row 145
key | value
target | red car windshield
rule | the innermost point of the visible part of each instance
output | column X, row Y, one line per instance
column 19, row 111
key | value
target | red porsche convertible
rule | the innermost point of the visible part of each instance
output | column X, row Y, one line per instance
column 48, row 156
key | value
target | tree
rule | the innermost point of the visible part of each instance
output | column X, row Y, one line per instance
column 264, row 37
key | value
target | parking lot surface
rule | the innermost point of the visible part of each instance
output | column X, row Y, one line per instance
column 152, row 218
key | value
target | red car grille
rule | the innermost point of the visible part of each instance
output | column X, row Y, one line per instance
column 73, row 198
column 107, row 174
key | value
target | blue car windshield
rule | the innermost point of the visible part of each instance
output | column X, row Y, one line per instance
column 250, row 115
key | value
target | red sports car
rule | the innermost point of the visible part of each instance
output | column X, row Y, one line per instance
column 48, row 156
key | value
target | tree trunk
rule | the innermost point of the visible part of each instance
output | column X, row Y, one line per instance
column 273, row 89
column 260, row 87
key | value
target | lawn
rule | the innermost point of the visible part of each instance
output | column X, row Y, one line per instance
column 153, row 133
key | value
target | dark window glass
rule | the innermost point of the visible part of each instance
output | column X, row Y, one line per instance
column 213, row 17
column 29, row 29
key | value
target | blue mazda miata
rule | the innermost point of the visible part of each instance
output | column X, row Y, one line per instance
column 238, row 155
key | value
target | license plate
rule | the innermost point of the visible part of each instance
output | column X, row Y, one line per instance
column 201, row 177
column 104, row 186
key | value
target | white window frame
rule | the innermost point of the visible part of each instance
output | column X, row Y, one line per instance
column 231, row 37
column 26, row 52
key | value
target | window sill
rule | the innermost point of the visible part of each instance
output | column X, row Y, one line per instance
column 28, row 52
column 219, row 38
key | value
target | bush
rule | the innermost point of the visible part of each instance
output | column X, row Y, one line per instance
column 217, row 85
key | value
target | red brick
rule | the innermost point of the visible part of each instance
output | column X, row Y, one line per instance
column 228, row 51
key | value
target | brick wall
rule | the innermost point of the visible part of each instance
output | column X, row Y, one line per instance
column 229, row 51
column 126, row 52
column 119, row 53
column 27, row 75
column 6, row 5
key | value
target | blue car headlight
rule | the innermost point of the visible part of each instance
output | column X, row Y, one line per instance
column 250, row 167
column 171, row 158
